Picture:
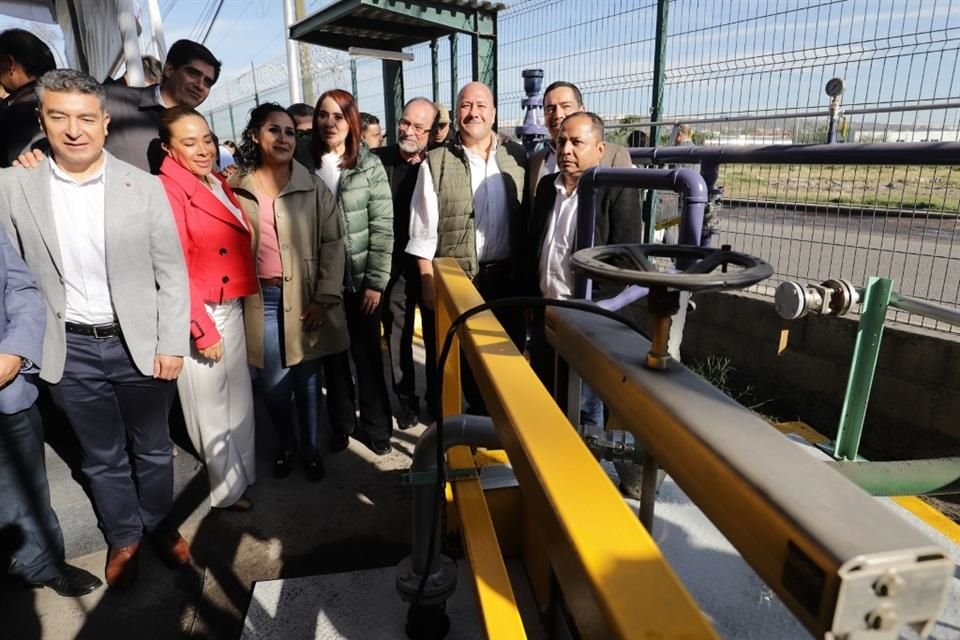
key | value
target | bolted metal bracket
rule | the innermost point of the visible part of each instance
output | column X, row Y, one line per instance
column 412, row 478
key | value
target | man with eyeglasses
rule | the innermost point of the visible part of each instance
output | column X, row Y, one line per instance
column 402, row 163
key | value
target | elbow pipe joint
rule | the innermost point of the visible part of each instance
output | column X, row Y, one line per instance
column 442, row 579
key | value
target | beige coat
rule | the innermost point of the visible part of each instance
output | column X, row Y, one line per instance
column 313, row 258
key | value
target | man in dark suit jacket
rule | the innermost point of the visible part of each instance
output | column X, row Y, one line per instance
column 190, row 72
column 23, row 58
column 402, row 164
column 560, row 100
column 552, row 232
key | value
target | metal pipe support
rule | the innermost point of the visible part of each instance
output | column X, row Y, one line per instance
column 442, row 581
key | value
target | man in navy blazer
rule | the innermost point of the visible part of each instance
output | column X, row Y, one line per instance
column 34, row 541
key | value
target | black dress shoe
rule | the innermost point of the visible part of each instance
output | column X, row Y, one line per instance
column 407, row 419
column 283, row 464
column 72, row 582
column 314, row 469
column 381, row 447
column 339, row 442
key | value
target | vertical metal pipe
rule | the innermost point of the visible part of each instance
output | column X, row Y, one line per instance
column 156, row 30
column 656, row 109
column 862, row 368
column 293, row 55
column 454, row 81
column 131, row 43
column 353, row 76
column 435, row 68
column 648, row 491
column 392, row 96
column 303, row 53
column 477, row 431
column 256, row 92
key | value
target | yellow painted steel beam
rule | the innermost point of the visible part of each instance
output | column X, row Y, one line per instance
column 614, row 579
column 499, row 612
column 779, row 508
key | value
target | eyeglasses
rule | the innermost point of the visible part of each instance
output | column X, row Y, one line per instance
column 406, row 124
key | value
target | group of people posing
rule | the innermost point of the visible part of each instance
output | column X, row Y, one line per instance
column 122, row 288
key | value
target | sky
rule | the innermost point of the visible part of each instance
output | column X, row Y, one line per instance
column 245, row 30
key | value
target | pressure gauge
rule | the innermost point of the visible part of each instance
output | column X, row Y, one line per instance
column 835, row 87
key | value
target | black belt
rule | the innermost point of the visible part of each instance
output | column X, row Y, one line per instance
column 98, row 331
column 496, row 265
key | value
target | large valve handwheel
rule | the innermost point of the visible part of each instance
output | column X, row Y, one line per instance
column 691, row 268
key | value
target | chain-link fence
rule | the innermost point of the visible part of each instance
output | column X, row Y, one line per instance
column 746, row 72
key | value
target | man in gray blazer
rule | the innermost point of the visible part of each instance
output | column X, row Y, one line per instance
column 100, row 237
column 31, row 542
column 560, row 100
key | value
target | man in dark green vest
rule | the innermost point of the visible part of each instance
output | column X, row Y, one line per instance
column 467, row 205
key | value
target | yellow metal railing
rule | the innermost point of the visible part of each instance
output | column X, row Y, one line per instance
column 613, row 577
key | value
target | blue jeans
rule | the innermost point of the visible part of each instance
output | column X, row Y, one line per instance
column 29, row 530
column 286, row 387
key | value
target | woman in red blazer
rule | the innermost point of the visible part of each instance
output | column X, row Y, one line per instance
column 215, row 389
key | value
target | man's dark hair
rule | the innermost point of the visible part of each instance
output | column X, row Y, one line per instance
column 186, row 51
column 569, row 85
column 300, row 110
column 596, row 122
column 367, row 119
column 28, row 50
column 70, row 81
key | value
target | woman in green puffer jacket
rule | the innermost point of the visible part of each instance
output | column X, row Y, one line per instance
column 357, row 179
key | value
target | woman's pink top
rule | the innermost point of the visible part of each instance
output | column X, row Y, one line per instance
column 268, row 256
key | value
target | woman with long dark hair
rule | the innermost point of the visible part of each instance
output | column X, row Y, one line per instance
column 298, row 316
column 214, row 386
column 357, row 179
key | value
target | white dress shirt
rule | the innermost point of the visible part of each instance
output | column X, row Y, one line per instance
column 556, row 277
column 549, row 165
column 490, row 206
column 329, row 171
column 217, row 188
column 78, row 214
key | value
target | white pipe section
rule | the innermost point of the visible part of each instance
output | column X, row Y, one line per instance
column 293, row 54
column 131, row 43
column 156, row 30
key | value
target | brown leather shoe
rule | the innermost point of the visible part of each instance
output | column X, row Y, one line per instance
column 172, row 548
column 122, row 566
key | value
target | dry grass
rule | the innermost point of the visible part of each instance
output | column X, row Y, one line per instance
column 899, row 187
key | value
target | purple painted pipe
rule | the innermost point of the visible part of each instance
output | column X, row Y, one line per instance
column 901, row 153
column 684, row 182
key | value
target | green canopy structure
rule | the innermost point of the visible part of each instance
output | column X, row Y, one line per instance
column 379, row 28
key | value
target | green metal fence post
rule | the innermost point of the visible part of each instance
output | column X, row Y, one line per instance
column 353, row 76
column 435, row 68
column 454, row 55
column 862, row 368
column 392, row 96
column 656, row 109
